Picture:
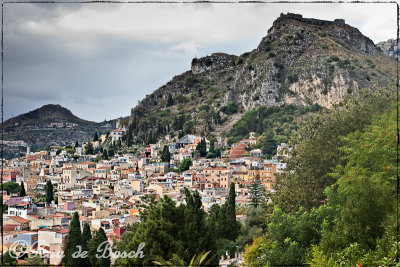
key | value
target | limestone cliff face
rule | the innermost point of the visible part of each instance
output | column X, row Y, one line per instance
column 390, row 48
column 306, row 61
column 301, row 61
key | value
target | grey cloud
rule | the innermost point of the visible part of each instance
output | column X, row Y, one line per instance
column 102, row 75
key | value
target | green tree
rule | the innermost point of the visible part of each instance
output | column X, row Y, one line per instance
column 293, row 234
column 195, row 228
column 213, row 219
column 74, row 239
column 89, row 148
column 96, row 137
column 105, row 154
column 165, row 155
column 188, row 126
column 185, row 164
column 98, row 255
column 256, row 193
column 49, row 191
column 11, row 187
column 268, row 144
column 76, row 144
column 22, row 192
column 364, row 193
column 202, row 147
column 86, row 237
column 252, row 227
column 228, row 226
column 148, row 201
column 161, row 232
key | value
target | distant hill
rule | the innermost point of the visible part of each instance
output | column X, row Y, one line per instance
column 46, row 114
column 47, row 126
column 301, row 61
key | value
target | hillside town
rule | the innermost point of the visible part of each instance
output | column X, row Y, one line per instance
column 107, row 193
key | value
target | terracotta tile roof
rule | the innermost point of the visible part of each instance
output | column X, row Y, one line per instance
column 45, row 247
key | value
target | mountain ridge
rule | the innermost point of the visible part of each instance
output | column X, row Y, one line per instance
column 301, row 61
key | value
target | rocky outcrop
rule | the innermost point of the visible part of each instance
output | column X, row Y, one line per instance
column 216, row 61
column 390, row 48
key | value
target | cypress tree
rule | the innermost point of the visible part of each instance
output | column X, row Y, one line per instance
column 166, row 156
column 228, row 226
column 22, row 192
column 202, row 147
column 98, row 238
column 129, row 137
column 89, row 148
column 231, row 213
column 96, row 137
column 74, row 239
column 76, row 144
column 212, row 146
column 105, row 154
column 196, row 233
column 49, row 191
column 86, row 237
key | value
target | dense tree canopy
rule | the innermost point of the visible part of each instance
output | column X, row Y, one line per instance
column 185, row 164
column 316, row 149
column 11, row 187
column 357, row 223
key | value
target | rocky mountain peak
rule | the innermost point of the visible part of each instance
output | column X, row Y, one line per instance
column 344, row 34
column 301, row 61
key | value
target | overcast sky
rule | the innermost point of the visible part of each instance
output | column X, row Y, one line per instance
column 99, row 59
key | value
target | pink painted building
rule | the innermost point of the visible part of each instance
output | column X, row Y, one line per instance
column 70, row 205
